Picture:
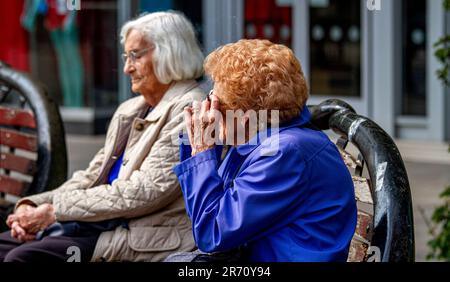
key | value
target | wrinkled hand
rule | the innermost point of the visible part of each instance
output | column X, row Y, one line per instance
column 22, row 209
column 200, row 123
column 16, row 230
column 20, row 234
column 27, row 221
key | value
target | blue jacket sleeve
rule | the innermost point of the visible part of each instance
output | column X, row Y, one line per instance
column 186, row 149
column 265, row 191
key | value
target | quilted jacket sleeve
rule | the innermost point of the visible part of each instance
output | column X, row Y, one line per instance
column 150, row 188
column 80, row 180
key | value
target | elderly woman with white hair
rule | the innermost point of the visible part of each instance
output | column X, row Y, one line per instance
column 127, row 205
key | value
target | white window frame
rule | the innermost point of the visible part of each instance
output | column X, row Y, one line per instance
column 432, row 126
column 301, row 48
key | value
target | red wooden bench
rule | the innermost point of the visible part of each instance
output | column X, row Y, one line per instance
column 33, row 155
column 12, row 121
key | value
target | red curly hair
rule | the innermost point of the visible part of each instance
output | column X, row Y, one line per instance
column 258, row 75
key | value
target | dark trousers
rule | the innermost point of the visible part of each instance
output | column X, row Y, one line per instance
column 49, row 249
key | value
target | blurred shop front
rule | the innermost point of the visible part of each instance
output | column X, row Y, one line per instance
column 75, row 53
column 379, row 60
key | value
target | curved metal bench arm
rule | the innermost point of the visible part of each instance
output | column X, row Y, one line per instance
column 393, row 217
column 52, row 155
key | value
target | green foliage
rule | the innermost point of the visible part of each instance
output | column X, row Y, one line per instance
column 440, row 230
column 440, row 244
column 442, row 53
column 446, row 5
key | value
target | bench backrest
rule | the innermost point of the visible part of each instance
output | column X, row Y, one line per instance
column 13, row 121
column 33, row 155
column 385, row 230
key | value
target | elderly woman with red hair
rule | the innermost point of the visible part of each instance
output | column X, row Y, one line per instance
column 282, row 191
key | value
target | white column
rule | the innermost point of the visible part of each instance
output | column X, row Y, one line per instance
column 435, row 88
column 383, row 66
column 223, row 22
column 300, row 36
column 124, row 14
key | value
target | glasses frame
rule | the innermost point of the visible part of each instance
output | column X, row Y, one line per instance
column 134, row 55
column 208, row 97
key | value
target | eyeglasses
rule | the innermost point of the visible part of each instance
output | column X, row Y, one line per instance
column 134, row 55
column 208, row 97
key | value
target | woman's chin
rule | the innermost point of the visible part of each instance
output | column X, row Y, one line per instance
column 135, row 88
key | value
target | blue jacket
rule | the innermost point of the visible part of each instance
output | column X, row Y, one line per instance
column 297, row 204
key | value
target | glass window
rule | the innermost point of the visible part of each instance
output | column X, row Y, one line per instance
column 335, row 47
column 414, row 58
column 74, row 53
column 268, row 19
column 99, row 43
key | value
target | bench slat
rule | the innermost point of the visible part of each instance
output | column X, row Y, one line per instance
column 17, row 117
column 12, row 186
column 16, row 139
column 17, row 163
column 364, row 225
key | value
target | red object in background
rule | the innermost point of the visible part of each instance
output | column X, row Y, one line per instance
column 14, row 38
column 263, row 14
column 57, row 14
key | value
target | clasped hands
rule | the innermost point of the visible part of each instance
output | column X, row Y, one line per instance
column 27, row 220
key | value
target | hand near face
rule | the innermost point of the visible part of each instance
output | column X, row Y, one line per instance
column 203, row 120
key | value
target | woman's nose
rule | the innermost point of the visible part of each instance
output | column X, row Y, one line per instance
column 128, row 68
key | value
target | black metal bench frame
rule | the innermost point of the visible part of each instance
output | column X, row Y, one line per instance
column 393, row 227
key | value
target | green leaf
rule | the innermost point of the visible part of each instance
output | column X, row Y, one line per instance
column 442, row 54
column 442, row 41
column 445, row 193
column 442, row 74
column 446, row 5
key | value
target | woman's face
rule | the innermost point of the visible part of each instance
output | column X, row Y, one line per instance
column 140, row 68
column 231, row 134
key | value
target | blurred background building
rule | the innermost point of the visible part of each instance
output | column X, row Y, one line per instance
column 379, row 58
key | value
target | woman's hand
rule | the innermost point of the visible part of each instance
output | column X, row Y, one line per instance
column 30, row 220
column 20, row 234
column 16, row 230
column 24, row 208
column 202, row 122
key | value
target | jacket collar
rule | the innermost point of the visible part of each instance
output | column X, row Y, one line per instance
column 303, row 119
column 177, row 89
column 140, row 108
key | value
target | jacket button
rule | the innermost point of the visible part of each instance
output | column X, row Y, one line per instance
column 139, row 126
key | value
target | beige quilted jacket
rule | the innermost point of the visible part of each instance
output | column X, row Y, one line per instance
column 146, row 191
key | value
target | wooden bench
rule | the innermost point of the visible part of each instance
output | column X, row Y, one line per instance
column 33, row 155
